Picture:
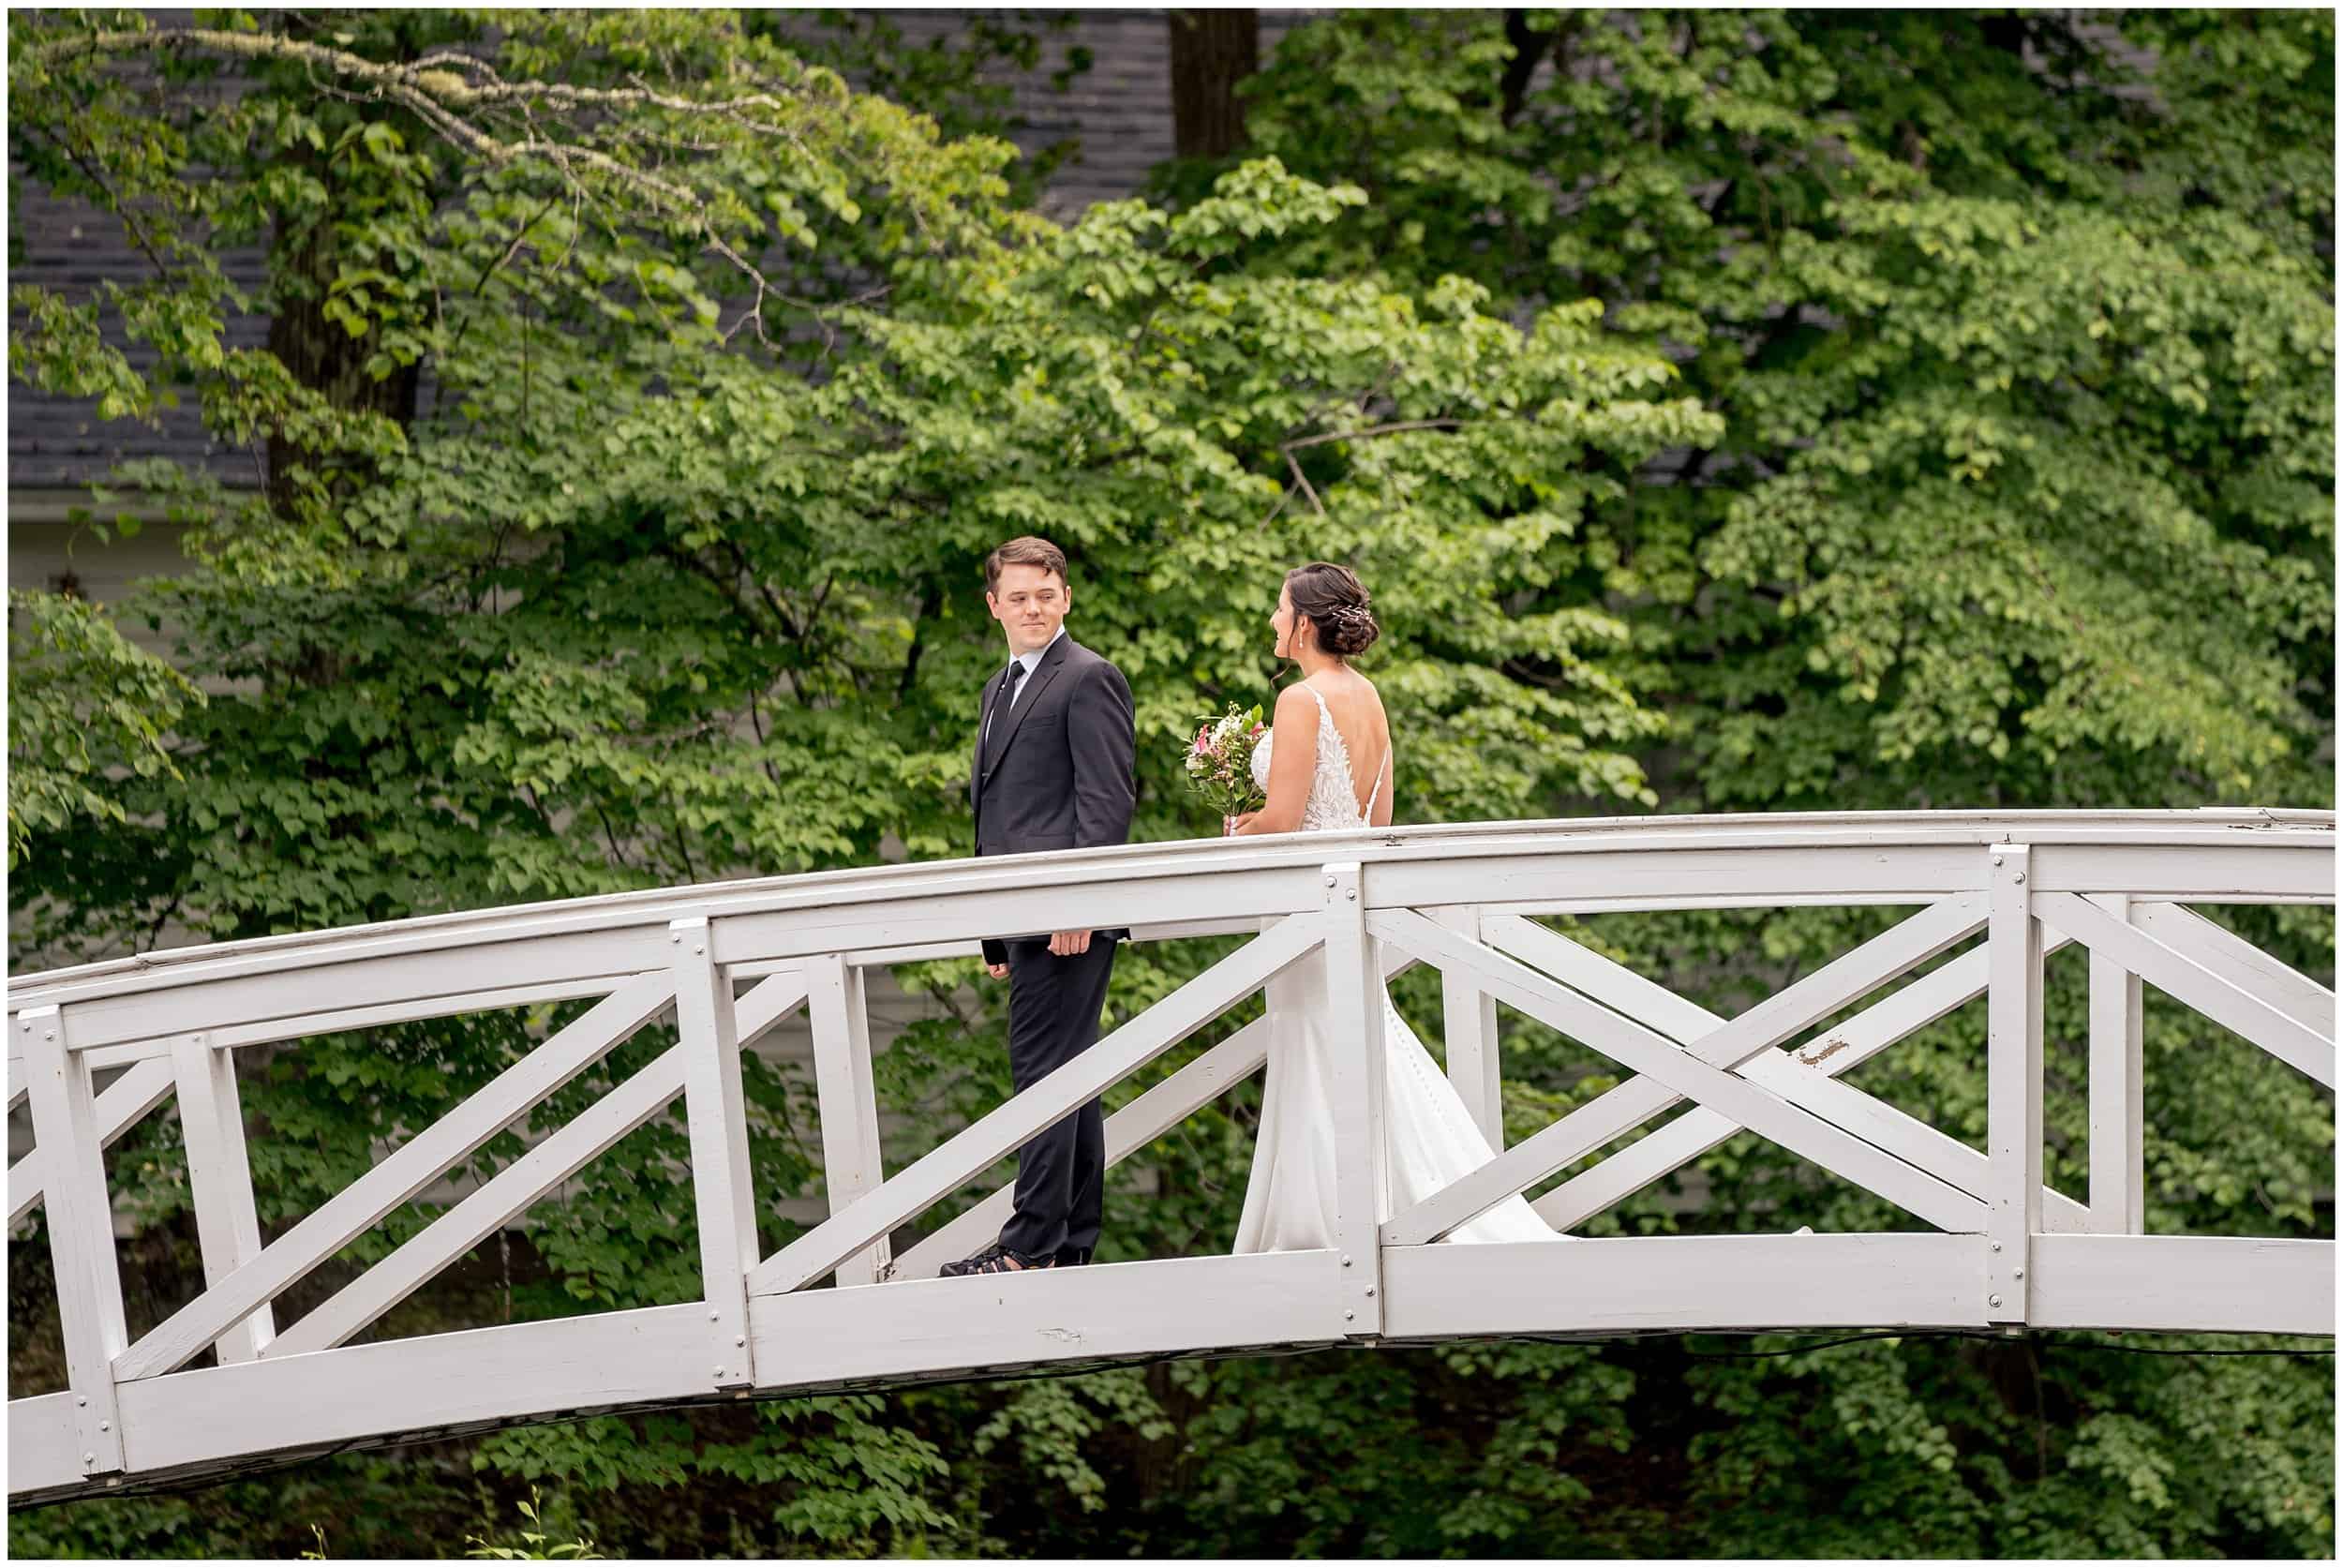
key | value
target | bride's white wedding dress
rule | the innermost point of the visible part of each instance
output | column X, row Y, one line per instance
column 1430, row 1139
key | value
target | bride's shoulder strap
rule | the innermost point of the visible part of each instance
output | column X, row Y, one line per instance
column 1382, row 768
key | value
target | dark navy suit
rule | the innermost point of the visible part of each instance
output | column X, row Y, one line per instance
column 1054, row 771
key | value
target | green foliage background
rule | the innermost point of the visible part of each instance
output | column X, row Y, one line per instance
column 1755, row 411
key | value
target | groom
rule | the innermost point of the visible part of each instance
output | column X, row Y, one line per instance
column 1052, row 770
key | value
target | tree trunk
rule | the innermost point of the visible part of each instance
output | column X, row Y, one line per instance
column 317, row 352
column 1210, row 52
column 321, row 355
column 1528, row 47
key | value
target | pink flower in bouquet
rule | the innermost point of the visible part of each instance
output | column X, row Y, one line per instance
column 1218, row 763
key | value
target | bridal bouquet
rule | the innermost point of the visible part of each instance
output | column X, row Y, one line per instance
column 1219, row 761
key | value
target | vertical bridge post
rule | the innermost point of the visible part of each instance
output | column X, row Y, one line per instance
column 1469, row 1018
column 220, row 1180
column 81, row 1233
column 841, row 1014
column 2013, row 1084
column 1354, row 1024
column 2118, row 1186
column 722, row 1188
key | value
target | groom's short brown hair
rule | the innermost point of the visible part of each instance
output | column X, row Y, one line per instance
column 1027, row 551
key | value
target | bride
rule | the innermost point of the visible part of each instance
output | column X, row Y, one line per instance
column 1331, row 716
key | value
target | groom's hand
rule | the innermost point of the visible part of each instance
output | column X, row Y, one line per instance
column 1067, row 944
column 998, row 971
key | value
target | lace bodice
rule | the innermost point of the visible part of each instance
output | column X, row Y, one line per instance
column 1334, row 802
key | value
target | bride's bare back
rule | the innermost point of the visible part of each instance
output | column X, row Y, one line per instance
column 1357, row 709
column 1347, row 703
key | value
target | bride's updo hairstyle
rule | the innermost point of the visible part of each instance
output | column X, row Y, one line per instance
column 1336, row 601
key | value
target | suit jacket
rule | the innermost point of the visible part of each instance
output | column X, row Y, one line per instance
column 1056, row 772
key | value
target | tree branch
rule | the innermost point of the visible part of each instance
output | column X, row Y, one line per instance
column 1292, row 446
column 435, row 95
column 1302, row 479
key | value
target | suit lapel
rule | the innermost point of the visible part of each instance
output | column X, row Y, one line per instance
column 1008, row 723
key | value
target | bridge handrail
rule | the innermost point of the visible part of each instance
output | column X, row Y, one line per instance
column 653, row 909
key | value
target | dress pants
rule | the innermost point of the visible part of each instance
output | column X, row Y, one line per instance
column 1053, row 1007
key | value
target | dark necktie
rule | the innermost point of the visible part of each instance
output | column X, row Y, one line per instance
column 999, row 732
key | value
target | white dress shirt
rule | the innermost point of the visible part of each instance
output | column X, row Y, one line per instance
column 1031, row 661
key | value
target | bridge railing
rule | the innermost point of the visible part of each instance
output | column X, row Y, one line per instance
column 1345, row 911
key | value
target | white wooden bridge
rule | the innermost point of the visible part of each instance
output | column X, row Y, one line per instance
column 1988, row 1244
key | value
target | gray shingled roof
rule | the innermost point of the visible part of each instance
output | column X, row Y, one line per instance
column 1119, row 113
column 55, row 443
